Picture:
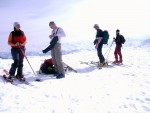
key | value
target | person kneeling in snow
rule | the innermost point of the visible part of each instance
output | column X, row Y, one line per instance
column 55, row 47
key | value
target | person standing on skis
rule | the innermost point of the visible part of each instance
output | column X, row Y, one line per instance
column 118, row 40
column 98, row 42
column 55, row 47
column 17, row 41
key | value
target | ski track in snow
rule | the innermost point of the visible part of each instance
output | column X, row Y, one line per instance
column 116, row 89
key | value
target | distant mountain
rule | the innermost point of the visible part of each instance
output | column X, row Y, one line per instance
column 72, row 47
column 146, row 42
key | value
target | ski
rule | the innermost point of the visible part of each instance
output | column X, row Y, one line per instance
column 115, row 63
column 6, row 80
column 14, row 79
column 25, row 82
column 95, row 64
column 6, row 72
column 69, row 67
column 89, row 63
column 5, row 77
column 111, row 64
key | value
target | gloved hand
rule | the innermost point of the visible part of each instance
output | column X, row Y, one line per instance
column 44, row 51
column 95, row 41
column 114, row 39
column 18, row 44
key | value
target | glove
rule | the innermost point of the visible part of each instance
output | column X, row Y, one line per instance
column 114, row 39
column 95, row 41
column 18, row 44
column 44, row 51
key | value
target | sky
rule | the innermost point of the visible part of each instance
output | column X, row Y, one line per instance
column 76, row 17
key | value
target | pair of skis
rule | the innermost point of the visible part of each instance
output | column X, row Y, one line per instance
column 96, row 64
column 13, row 79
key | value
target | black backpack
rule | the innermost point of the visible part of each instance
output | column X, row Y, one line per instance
column 105, row 37
column 122, row 39
column 47, row 67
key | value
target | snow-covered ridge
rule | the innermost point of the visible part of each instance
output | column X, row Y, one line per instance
column 71, row 47
column 146, row 43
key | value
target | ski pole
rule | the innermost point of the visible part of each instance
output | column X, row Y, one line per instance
column 37, row 79
column 109, row 48
column 108, row 51
column 108, row 54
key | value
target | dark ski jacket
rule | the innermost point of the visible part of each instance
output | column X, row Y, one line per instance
column 118, row 39
column 52, row 44
column 98, row 34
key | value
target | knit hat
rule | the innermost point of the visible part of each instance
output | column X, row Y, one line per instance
column 117, row 30
column 16, row 23
column 96, row 25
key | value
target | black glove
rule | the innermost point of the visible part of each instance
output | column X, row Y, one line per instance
column 44, row 51
column 95, row 41
column 114, row 39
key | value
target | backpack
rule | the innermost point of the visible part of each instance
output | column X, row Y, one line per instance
column 47, row 67
column 105, row 37
column 122, row 39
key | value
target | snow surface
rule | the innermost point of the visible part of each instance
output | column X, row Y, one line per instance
column 116, row 89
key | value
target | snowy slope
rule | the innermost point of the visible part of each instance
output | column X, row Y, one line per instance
column 117, row 89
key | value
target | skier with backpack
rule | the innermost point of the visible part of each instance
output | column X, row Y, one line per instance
column 17, row 41
column 55, row 47
column 98, row 42
column 119, row 40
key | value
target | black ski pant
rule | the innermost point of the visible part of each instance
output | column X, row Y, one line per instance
column 99, row 52
column 17, row 57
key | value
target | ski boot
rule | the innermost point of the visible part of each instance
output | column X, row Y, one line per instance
column 20, row 78
column 115, row 62
column 102, row 65
column 8, row 78
column 120, row 62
